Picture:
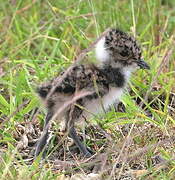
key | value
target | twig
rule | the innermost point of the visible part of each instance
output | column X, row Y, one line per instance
column 85, row 51
column 59, row 79
column 70, row 120
column 65, row 105
column 26, row 7
column 80, row 16
column 97, row 91
column 33, row 118
column 145, row 149
column 125, row 145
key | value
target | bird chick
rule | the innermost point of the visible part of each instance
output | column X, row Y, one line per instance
column 118, row 55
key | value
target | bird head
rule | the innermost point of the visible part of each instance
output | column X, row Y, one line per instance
column 119, row 49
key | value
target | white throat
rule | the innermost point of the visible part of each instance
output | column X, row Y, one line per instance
column 101, row 53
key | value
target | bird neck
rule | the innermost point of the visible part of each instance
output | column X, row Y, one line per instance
column 126, row 71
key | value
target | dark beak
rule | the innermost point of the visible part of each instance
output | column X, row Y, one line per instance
column 142, row 64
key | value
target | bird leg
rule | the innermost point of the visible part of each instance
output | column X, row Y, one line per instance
column 44, row 136
column 82, row 147
column 73, row 113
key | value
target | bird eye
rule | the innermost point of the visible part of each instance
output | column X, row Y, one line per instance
column 124, row 53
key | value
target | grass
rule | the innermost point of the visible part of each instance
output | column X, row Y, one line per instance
column 39, row 39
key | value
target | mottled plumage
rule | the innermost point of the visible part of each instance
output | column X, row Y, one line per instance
column 118, row 54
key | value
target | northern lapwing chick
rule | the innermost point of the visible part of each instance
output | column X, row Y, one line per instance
column 118, row 55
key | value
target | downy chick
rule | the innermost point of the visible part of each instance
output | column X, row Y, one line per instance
column 118, row 55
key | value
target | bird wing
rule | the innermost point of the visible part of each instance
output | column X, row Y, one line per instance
column 79, row 78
